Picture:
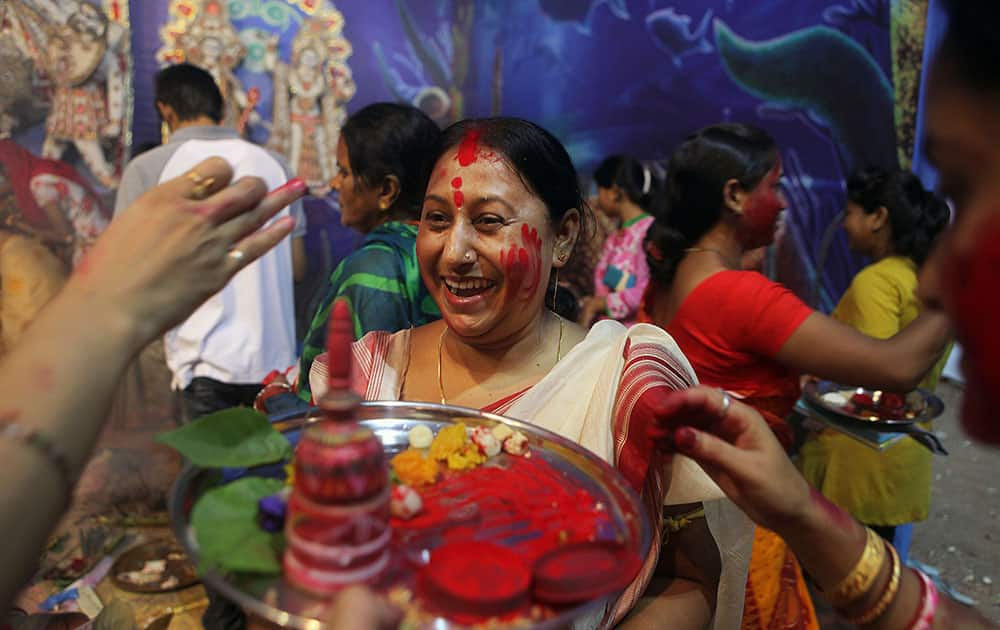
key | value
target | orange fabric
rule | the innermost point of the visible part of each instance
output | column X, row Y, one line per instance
column 772, row 604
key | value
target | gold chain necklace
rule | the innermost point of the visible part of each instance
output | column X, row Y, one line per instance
column 444, row 401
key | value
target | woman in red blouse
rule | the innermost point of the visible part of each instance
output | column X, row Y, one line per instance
column 748, row 335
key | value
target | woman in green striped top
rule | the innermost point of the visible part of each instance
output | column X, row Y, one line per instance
column 382, row 172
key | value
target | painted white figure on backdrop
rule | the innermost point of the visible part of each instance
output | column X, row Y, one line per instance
column 310, row 92
column 212, row 43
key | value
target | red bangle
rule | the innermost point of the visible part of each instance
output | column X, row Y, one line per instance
column 928, row 604
column 268, row 391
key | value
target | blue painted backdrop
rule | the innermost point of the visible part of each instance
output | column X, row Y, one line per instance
column 631, row 76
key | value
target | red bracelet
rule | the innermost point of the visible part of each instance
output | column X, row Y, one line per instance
column 928, row 604
column 268, row 391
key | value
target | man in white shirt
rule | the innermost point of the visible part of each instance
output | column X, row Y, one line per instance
column 220, row 354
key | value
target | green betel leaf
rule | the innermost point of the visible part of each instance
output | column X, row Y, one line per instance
column 231, row 438
column 225, row 526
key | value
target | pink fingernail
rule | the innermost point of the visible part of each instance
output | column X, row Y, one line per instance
column 296, row 183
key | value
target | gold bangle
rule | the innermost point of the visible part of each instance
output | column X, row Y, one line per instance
column 859, row 581
column 888, row 595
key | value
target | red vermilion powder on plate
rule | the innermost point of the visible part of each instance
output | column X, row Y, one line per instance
column 522, row 503
column 582, row 571
column 489, row 527
column 478, row 578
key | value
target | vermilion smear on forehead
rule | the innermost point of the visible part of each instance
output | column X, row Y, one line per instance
column 468, row 149
column 523, row 264
column 459, row 198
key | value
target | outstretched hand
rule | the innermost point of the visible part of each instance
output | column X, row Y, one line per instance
column 180, row 243
column 737, row 449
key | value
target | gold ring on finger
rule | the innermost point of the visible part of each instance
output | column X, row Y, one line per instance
column 201, row 184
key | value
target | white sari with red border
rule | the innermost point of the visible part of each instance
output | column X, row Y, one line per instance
column 588, row 397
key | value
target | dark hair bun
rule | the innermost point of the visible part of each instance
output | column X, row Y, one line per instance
column 664, row 248
column 917, row 216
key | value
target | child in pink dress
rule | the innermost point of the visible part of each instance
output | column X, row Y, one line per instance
column 624, row 190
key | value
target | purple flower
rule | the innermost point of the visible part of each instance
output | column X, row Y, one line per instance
column 271, row 512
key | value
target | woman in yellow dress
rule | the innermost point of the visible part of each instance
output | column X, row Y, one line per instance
column 893, row 220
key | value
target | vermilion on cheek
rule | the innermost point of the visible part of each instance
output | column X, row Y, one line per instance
column 971, row 280
column 522, row 264
column 761, row 216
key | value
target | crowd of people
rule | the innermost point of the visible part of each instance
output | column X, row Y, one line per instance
column 680, row 368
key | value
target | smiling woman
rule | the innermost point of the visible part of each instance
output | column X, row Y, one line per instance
column 487, row 256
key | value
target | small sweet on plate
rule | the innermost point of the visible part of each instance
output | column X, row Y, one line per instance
column 420, row 436
column 501, row 432
column 488, row 444
column 405, row 502
column 516, row 444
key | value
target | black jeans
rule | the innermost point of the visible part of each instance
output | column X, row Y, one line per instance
column 206, row 395
column 201, row 397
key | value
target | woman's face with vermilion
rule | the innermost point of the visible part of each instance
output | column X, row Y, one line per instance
column 484, row 244
column 762, row 208
column 963, row 274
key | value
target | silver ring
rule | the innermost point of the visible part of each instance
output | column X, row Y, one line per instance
column 726, row 402
column 236, row 254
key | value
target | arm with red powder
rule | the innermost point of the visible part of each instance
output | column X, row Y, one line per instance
column 737, row 449
column 154, row 265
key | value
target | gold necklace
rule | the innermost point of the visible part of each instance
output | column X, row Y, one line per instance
column 444, row 401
